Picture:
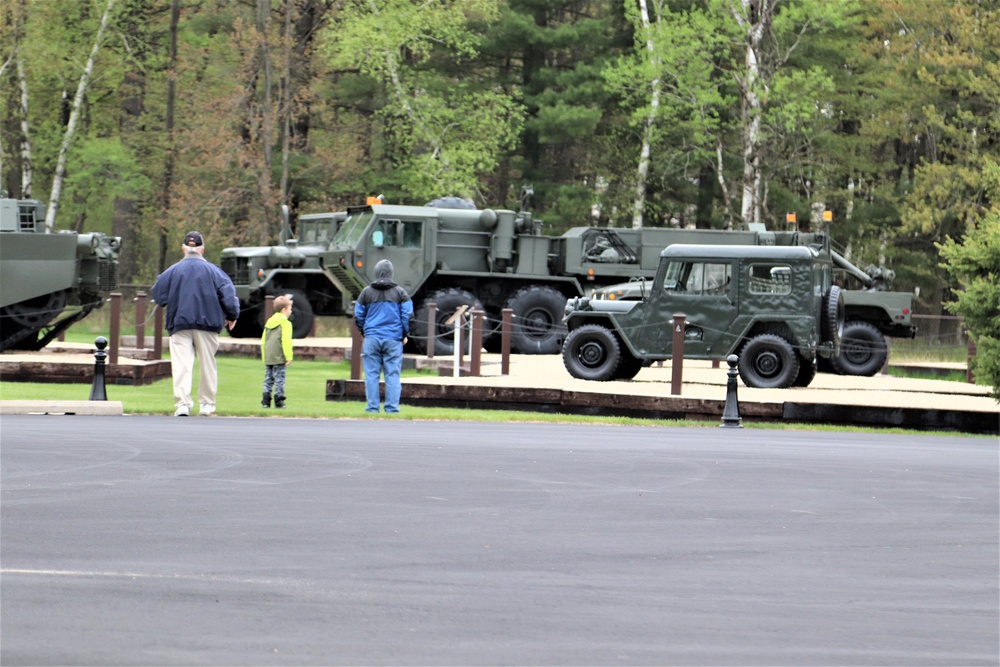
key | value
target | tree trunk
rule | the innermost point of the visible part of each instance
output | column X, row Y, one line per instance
column 647, row 131
column 752, row 109
column 27, row 173
column 168, row 167
column 286, row 101
column 267, row 119
column 81, row 89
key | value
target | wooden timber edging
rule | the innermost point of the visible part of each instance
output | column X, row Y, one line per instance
column 139, row 373
column 561, row 401
column 556, row 401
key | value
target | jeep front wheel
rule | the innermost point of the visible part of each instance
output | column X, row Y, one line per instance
column 768, row 362
column 592, row 352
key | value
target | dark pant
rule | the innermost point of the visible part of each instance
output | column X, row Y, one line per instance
column 274, row 378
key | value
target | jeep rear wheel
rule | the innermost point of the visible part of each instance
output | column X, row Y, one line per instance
column 768, row 362
column 863, row 351
column 592, row 352
column 807, row 372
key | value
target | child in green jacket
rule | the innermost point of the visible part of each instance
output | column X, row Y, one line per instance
column 276, row 351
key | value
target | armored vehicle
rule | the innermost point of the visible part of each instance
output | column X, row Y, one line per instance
column 776, row 307
column 48, row 280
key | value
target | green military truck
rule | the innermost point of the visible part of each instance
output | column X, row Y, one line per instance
column 48, row 280
column 776, row 307
column 483, row 259
column 452, row 254
column 290, row 268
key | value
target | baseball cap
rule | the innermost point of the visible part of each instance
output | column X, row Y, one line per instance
column 194, row 239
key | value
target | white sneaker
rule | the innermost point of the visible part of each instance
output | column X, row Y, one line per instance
column 206, row 410
column 182, row 411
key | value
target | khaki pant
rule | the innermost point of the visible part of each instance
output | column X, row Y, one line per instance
column 184, row 346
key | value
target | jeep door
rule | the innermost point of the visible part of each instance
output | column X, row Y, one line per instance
column 705, row 291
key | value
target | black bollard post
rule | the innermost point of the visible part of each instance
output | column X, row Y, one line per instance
column 731, row 413
column 97, row 392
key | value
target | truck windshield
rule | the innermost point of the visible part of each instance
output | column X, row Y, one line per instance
column 314, row 231
column 353, row 228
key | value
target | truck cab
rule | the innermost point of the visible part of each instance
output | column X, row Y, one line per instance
column 773, row 306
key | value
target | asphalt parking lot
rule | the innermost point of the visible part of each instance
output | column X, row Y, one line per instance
column 208, row 541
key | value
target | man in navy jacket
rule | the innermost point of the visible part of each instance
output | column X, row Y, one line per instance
column 382, row 313
column 200, row 300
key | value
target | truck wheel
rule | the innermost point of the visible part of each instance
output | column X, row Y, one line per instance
column 863, row 351
column 302, row 314
column 592, row 352
column 768, row 362
column 537, row 325
column 628, row 367
column 832, row 321
column 248, row 324
column 447, row 300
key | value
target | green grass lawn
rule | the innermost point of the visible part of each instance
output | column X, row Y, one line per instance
column 241, row 385
column 240, row 389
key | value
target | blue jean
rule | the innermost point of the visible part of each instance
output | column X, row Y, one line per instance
column 382, row 355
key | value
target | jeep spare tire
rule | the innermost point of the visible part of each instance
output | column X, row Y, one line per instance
column 832, row 321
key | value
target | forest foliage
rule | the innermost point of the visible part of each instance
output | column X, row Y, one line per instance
column 211, row 114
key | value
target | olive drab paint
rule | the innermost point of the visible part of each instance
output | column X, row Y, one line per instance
column 48, row 280
column 451, row 254
column 775, row 307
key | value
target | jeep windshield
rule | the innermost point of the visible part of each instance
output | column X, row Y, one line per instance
column 353, row 228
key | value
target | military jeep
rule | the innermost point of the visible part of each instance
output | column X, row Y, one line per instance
column 773, row 306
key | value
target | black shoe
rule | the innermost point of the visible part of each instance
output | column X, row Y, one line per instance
column 266, row 401
column 279, row 402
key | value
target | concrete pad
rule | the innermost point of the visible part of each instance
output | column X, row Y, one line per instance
column 101, row 408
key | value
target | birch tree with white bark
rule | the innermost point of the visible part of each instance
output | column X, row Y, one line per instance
column 722, row 82
column 74, row 117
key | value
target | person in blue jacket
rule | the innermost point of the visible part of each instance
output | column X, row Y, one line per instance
column 382, row 313
column 200, row 300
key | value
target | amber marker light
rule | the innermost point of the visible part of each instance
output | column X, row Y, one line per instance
column 827, row 216
column 360, row 264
